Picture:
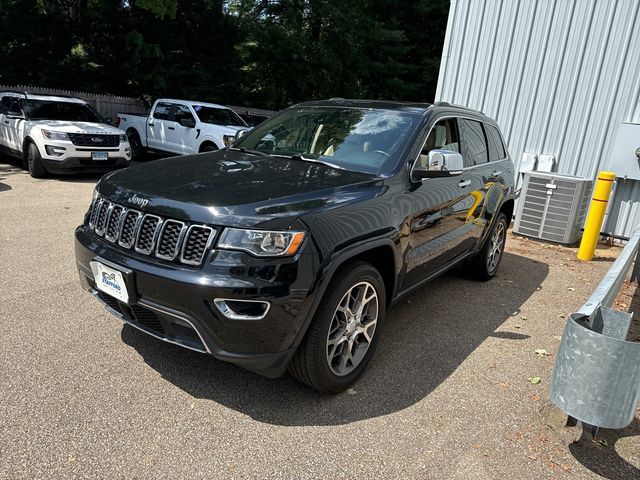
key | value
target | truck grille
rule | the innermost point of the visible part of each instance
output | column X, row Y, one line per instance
column 149, row 234
column 96, row 140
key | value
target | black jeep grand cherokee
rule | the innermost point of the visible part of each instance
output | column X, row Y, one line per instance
column 285, row 249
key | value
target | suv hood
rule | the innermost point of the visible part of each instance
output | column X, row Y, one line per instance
column 235, row 189
column 77, row 127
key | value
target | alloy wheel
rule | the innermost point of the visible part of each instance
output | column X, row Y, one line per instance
column 496, row 247
column 352, row 328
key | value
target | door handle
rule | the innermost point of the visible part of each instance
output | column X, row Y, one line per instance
column 7, row 122
column 496, row 173
column 464, row 183
column 171, row 128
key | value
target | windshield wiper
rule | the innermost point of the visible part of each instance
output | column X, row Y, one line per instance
column 249, row 151
column 313, row 160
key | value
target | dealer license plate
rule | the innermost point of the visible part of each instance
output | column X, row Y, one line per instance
column 99, row 156
column 110, row 281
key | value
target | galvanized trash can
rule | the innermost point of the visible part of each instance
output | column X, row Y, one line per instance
column 596, row 378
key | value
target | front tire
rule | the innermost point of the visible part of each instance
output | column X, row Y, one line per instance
column 137, row 149
column 34, row 162
column 344, row 331
column 484, row 265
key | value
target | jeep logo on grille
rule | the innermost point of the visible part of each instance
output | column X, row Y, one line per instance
column 97, row 139
column 136, row 200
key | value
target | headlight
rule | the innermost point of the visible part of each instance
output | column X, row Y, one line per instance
column 124, row 138
column 260, row 242
column 49, row 135
column 228, row 139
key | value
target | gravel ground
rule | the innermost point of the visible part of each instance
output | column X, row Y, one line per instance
column 446, row 396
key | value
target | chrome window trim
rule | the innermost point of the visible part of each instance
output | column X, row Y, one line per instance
column 186, row 241
column 135, row 227
column 181, row 235
column 153, row 239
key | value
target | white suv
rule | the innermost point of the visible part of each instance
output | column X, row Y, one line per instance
column 55, row 134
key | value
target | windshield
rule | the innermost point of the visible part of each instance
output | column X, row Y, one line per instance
column 58, row 110
column 363, row 140
column 218, row 116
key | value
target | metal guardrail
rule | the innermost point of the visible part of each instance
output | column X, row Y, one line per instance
column 596, row 378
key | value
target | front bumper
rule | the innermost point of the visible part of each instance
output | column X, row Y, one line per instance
column 61, row 157
column 176, row 303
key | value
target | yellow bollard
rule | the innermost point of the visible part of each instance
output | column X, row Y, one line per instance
column 601, row 194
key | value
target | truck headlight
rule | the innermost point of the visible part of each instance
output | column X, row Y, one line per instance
column 49, row 135
column 124, row 138
column 228, row 139
column 261, row 243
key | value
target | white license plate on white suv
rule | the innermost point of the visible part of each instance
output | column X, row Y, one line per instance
column 100, row 156
column 110, row 281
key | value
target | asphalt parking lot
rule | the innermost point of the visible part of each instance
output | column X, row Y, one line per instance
column 446, row 396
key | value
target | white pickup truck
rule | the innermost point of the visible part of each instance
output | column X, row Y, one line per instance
column 181, row 127
column 55, row 134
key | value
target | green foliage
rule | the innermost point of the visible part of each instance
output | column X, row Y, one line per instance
column 268, row 53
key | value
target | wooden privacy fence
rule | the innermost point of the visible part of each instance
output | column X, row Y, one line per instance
column 110, row 105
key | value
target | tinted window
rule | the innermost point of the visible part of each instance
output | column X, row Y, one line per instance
column 218, row 116
column 182, row 112
column 9, row 104
column 443, row 135
column 163, row 112
column 474, row 146
column 496, row 147
column 359, row 139
column 60, row 110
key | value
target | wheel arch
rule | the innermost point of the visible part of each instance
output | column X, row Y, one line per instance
column 207, row 143
column 507, row 208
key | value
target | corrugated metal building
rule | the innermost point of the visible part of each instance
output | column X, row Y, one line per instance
column 559, row 76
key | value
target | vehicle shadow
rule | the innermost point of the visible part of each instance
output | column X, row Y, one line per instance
column 425, row 338
column 601, row 455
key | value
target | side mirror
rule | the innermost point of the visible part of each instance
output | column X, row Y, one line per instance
column 440, row 163
column 187, row 122
column 242, row 132
column 15, row 115
column 108, row 121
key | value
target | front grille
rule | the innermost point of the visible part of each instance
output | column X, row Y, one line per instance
column 113, row 223
column 149, row 234
column 198, row 239
column 97, row 140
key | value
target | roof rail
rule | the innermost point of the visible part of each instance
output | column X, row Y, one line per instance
column 442, row 104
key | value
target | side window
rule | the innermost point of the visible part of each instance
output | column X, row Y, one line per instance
column 444, row 136
column 163, row 112
column 9, row 104
column 182, row 112
column 474, row 145
column 496, row 147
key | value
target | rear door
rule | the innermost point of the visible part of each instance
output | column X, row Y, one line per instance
column 482, row 169
column 160, row 125
column 11, row 128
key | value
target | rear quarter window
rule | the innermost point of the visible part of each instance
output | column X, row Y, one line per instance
column 496, row 147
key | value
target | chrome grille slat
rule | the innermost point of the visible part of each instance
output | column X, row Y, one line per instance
column 148, row 234
column 170, row 238
column 113, row 222
column 197, row 242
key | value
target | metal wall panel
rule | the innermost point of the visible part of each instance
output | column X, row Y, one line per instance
column 559, row 76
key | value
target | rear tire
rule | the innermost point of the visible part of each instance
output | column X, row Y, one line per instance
column 344, row 331
column 484, row 265
column 34, row 162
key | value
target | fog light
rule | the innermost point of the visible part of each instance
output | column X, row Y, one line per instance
column 55, row 151
column 242, row 309
column 127, row 152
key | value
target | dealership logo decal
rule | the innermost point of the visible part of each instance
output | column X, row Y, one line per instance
column 109, row 280
column 136, row 200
